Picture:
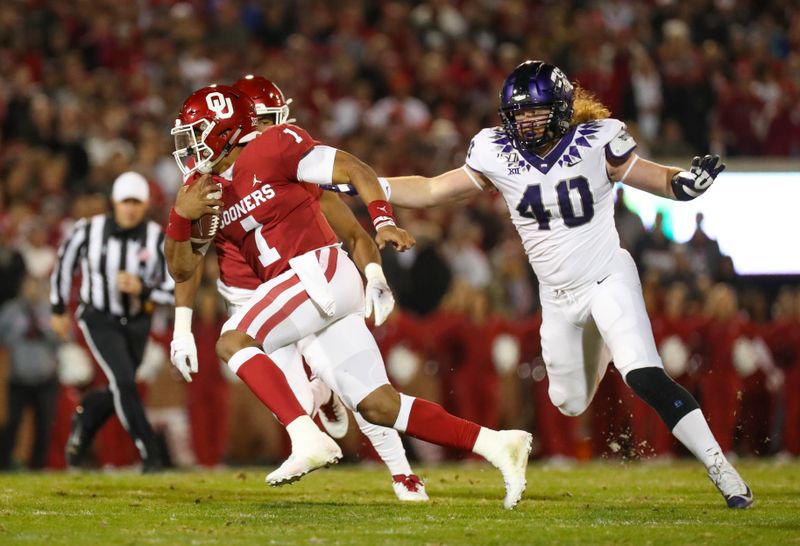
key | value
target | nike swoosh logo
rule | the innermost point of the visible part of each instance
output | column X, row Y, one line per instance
column 604, row 278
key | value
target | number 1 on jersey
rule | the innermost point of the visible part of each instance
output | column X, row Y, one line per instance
column 297, row 138
column 266, row 254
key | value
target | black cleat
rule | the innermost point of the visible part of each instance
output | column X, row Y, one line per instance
column 77, row 442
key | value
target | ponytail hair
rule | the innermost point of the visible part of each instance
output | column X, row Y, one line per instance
column 586, row 107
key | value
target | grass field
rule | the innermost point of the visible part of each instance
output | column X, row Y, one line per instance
column 599, row 503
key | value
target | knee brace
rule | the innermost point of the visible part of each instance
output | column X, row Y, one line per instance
column 664, row 395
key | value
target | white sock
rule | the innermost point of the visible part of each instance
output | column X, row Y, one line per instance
column 320, row 392
column 387, row 444
column 485, row 443
column 404, row 413
column 693, row 432
column 302, row 430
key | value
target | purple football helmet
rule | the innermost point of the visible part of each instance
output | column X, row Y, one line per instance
column 535, row 84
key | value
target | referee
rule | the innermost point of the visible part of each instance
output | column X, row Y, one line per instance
column 123, row 271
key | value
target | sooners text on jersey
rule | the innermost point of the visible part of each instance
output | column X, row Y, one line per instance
column 268, row 216
column 234, row 271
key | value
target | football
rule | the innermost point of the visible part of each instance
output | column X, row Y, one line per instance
column 205, row 228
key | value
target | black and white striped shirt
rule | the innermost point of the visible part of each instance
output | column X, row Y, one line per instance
column 102, row 249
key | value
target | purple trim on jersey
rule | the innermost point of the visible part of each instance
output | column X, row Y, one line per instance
column 544, row 164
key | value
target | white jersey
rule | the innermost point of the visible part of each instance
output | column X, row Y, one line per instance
column 562, row 203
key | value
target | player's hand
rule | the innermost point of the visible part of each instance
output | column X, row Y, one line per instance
column 378, row 294
column 183, row 354
column 60, row 325
column 397, row 237
column 689, row 185
column 195, row 200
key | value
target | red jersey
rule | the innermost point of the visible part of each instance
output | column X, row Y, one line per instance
column 234, row 271
column 268, row 216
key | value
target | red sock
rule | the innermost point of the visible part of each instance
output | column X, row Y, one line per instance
column 267, row 382
column 430, row 422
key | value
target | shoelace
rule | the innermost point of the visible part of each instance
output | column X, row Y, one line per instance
column 726, row 478
column 410, row 482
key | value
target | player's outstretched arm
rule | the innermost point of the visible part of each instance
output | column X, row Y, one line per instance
column 665, row 181
column 348, row 169
column 192, row 202
column 365, row 254
column 420, row 192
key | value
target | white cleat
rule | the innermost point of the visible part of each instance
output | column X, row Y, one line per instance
column 333, row 417
column 510, row 456
column 409, row 488
column 722, row 474
column 310, row 456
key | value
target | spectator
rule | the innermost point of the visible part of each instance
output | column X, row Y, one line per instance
column 704, row 251
column 31, row 346
column 646, row 91
column 12, row 266
column 207, row 394
column 654, row 250
column 629, row 225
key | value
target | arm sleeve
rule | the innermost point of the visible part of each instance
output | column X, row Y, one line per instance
column 68, row 254
column 294, row 144
column 317, row 165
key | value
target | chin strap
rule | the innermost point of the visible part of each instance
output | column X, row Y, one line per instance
column 206, row 168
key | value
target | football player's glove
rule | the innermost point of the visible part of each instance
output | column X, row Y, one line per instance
column 378, row 294
column 687, row 185
column 182, row 349
column 183, row 354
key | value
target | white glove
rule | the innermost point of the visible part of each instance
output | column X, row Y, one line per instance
column 378, row 294
column 182, row 349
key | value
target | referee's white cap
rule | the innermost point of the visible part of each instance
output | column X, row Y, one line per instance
column 130, row 185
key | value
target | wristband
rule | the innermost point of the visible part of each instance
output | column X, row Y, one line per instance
column 183, row 321
column 374, row 272
column 179, row 228
column 387, row 188
column 679, row 189
column 381, row 213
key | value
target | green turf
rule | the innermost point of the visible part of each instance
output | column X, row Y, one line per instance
column 607, row 503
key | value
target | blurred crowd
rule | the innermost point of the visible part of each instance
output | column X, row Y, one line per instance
column 89, row 89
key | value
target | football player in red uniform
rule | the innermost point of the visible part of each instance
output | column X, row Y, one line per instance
column 310, row 289
column 237, row 283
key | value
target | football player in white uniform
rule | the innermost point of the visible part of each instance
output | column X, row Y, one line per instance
column 555, row 160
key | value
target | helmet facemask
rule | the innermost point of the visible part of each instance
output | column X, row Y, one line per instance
column 192, row 153
column 523, row 132
column 277, row 114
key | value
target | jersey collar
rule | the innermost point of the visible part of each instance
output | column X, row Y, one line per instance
column 544, row 164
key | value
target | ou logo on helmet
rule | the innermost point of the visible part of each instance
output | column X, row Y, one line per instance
column 220, row 104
